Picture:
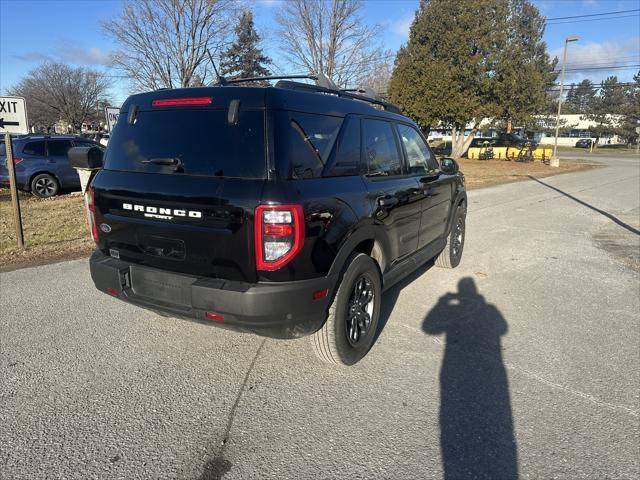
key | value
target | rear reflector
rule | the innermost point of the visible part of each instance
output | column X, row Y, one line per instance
column 278, row 230
column 318, row 294
column 112, row 291
column 216, row 317
column 175, row 102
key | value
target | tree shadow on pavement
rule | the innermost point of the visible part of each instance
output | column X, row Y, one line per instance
column 476, row 424
column 611, row 217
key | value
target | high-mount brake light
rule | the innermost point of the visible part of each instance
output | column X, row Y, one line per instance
column 181, row 102
column 91, row 213
column 279, row 235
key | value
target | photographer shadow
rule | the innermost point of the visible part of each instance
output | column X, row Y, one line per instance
column 476, row 424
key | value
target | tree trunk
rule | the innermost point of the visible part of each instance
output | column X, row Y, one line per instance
column 460, row 143
column 509, row 126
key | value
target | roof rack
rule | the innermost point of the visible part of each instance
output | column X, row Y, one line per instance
column 270, row 77
column 323, row 85
column 341, row 93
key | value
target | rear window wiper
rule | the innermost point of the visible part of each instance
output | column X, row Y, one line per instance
column 298, row 128
column 174, row 162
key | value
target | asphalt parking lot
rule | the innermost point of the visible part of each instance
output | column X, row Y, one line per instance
column 523, row 362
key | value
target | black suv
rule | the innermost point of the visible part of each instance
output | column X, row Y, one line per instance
column 285, row 211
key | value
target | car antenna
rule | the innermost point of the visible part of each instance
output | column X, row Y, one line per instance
column 219, row 80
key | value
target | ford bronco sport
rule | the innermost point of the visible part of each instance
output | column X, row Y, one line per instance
column 284, row 211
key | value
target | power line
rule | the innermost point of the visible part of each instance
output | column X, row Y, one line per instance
column 594, row 85
column 608, row 67
column 610, row 61
column 593, row 19
column 594, row 14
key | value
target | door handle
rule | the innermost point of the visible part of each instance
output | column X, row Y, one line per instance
column 387, row 201
column 430, row 177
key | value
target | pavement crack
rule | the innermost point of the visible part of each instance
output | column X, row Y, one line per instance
column 241, row 390
column 218, row 465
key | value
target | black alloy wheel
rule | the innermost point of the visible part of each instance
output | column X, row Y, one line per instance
column 352, row 321
column 360, row 310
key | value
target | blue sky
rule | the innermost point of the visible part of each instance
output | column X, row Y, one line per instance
column 69, row 30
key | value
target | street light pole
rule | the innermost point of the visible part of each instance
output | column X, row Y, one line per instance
column 555, row 161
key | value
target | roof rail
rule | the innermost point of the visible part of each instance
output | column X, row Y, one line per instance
column 340, row 93
column 269, row 77
column 323, row 85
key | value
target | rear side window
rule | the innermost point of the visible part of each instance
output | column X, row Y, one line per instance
column 380, row 148
column 347, row 151
column 189, row 142
column 34, row 148
column 58, row 147
column 303, row 143
column 85, row 143
column 3, row 149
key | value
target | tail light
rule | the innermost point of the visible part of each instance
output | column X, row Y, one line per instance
column 17, row 160
column 91, row 213
column 279, row 235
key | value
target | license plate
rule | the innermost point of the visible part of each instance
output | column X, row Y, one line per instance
column 166, row 287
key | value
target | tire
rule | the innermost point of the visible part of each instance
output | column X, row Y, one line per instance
column 334, row 342
column 452, row 254
column 44, row 185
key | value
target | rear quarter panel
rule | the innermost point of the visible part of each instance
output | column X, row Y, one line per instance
column 334, row 207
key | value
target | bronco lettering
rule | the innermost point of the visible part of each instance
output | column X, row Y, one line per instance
column 167, row 213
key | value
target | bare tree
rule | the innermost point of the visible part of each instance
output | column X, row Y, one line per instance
column 379, row 73
column 164, row 42
column 56, row 91
column 329, row 37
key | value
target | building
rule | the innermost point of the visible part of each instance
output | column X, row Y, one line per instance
column 572, row 128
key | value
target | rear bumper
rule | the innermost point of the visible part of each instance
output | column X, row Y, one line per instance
column 21, row 181
column 279, row 310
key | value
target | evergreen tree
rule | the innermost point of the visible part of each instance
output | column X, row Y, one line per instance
column 608, row 108
column 459, row 67
column 244, row 58
column 630, row 121
column 524, row 72
column 580, row 98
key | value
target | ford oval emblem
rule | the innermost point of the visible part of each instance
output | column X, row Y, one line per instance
column 105, row 228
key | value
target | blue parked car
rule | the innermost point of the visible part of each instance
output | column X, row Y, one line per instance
column 42, row 165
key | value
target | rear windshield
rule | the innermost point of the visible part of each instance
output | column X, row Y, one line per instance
column 189, row 142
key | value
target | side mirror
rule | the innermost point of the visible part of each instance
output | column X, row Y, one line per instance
column 86, row 158
column 449, row 166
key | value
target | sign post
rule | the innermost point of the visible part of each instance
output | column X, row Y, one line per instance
column 111, row 114
column 13, row 119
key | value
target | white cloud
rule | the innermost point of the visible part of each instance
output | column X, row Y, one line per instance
column 594, row 60
column 267, row 3
column 69, row 54
column 33, row 57
column 403, row 25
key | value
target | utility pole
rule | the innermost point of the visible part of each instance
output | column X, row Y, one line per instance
column 555, row 161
